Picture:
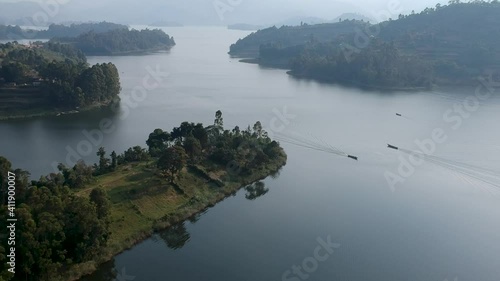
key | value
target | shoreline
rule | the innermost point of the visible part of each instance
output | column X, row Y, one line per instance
column 180, row 215
column 132, row 52
column 54, row 112
column 354, row 84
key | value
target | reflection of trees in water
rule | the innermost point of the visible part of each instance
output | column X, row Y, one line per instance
column 105, row 272
column 175, row 236
column 193, row 219
column 276, row 174
column 256, row 190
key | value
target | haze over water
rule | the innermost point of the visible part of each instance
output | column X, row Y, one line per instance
column 415, row 233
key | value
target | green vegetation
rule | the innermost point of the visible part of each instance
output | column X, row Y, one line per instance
column 10, row 32
column 120, row 41
column 83, row 216
column 379, row 65
column 75, row 30
column 57, row 30
column 288, row 36
column 445, row 45
column 55, row 229
column 45, row 78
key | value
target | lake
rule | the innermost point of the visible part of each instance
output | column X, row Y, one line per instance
column 439, row 224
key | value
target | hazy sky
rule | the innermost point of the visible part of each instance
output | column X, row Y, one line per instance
column 208, row 11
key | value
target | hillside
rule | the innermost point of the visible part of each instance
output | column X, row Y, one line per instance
column 454, row 44
column 48, row 78
column 287, row 36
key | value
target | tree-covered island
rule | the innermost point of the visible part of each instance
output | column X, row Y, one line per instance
column 97, row 39
column 120, row 42
column 72, row 221
column 52, row 78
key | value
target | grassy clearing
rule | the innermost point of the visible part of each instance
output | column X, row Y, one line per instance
column 144, row 202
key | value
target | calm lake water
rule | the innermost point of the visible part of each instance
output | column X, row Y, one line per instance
column 436, row 225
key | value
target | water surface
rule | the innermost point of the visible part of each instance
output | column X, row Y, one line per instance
column 437, row 225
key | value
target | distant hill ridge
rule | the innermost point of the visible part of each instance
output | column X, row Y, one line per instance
column 446, row 45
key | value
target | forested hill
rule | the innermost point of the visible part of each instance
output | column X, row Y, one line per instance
column 57, row 30
column 287, row 36
column 120, row 41
column 10, row 32
column 50, row 77
column 448, row 45
column 74, row 30
column 466, row 33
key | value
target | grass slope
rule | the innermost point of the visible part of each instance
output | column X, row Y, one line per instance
column 144, row 202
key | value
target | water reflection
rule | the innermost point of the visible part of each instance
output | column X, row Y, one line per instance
column 105, row 272
column 256, row 190
column 175, row 237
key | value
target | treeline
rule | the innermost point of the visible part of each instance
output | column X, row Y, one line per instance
column 61, row 73
column 120, row 41
column 55, row 228
column 9, row 32
column 20, row 63
column 241, row 151
column 75, row 30
column 77, row 85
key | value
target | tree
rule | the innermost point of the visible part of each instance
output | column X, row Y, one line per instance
column 14, row 72
column 172, row 161
column 100, row 198
column 157, row 142
column 103, row 161
column 26, row 241
column 78, row 176
column 192, row 146
column 133, row 154
column 219, row 121
column 179, row 133
column 257, row 129
column 86, row 234
column 201, row 134
column 114, row 162
column 236, row 131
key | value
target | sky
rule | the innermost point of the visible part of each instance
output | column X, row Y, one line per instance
column 204, row 12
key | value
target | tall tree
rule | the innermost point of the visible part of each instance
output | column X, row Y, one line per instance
column 114, row 162
column 101, row 199
column 172, row 161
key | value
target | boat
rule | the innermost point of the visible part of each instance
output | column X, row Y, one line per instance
column 353, row 157
column 392, row 147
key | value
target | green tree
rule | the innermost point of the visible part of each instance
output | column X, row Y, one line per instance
column 157, row 142
column 192, row 147
column 114, row 162
column 101, row 199
column 219, row 121
column 172, row 161
column 103, row 161
column 14, row 72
